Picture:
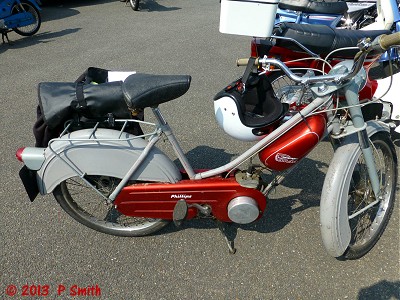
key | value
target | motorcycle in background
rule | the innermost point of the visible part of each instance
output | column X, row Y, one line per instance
column 297, row 46
column 340, row 14
column 20, row 16
column 134, row 4
column 360, row 14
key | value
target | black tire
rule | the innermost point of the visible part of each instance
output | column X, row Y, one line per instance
column 388, row 173
column 347, row 189
column 384, row 70
column 32, row 28
column 134, row 4
column 89, row 208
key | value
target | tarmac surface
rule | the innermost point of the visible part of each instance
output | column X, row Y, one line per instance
column 44, row 251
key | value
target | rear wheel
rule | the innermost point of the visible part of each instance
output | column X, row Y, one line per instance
column 31, row 29
column 134, row 4
column 90, row 208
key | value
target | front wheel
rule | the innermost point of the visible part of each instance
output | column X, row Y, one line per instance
column 90, row 208
column 350, row 224
column 286, row 89
column 134, row 4
column 30, row 29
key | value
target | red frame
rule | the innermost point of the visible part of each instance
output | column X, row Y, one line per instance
column 158, row 200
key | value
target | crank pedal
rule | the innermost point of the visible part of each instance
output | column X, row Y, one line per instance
column 180, row 212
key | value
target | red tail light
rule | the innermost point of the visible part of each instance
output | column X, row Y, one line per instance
column 18, row 154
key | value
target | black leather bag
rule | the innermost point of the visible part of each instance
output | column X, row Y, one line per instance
column 61, row 101
column 88, row 100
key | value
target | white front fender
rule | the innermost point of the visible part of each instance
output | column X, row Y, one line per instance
column 334, row 220
column 107, row 154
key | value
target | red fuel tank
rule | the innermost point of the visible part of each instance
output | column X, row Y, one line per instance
column 294, row 144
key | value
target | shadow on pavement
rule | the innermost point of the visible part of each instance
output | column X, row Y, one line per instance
column 154, row 5
column 384, row 290
column 145, row 5
column 57, row 12
column 73, row 3
column 41, row 37
column 279, row 211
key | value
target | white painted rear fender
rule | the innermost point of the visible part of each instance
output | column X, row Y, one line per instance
column 106, row 155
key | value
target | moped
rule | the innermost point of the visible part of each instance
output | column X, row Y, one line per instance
column 122, row 184
column 344, row 14
column 21, row 16
column 133, row 3
column 334, row 14
column 299, row 47
column 371, row 14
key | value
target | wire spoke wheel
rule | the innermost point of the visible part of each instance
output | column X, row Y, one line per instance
column 367, row 216
column 30, row 29
column 134, row 4
column 286, row 89
column 90, row 207
column 352, row 218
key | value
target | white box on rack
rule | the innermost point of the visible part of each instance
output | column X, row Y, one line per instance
column 248, row 17
column 119, row 75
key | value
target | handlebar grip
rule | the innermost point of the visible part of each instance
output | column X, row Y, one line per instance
column 244, row 62
column 386, row 41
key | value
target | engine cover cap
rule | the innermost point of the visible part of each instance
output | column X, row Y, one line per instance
column 243, row 210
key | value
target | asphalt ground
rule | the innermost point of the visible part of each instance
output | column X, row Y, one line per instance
column 279, row 257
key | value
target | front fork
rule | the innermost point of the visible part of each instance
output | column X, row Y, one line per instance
column 351, row 93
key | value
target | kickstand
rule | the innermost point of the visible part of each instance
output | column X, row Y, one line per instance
column 5, row 35
column 229, row 234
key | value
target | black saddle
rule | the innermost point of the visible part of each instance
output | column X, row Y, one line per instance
column 313, row 7
column 322, row 39
column 144, row 90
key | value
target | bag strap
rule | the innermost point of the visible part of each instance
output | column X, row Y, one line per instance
column 80, row 96
column 248, row 71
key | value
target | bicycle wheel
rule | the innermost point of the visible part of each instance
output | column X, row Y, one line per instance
column 347, row 192
column 31, row 29
column 89, row 208
column 285, row 88
column 134, row 4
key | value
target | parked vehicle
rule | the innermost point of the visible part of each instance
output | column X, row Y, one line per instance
column 21, row 16
column 299, row 46
column 368, row 14
column 122, row 184
column 343, row 14
column 359, row 14
column 134, row 4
